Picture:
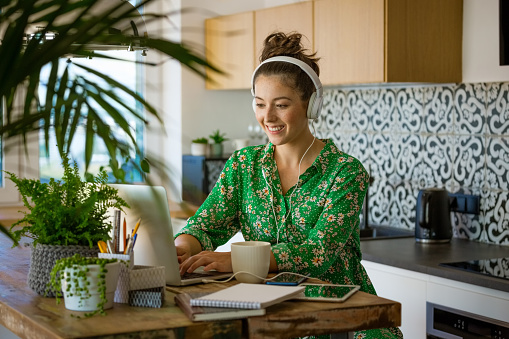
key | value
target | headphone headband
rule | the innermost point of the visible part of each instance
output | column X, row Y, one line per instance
column 315, row 102
column 302, row 65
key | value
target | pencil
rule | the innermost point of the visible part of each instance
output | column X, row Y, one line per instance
column 125, row 235
column 136, row 228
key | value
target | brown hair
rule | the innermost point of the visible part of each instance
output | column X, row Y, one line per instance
column 281, row 44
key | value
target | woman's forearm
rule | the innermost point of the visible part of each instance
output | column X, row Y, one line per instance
column 189, row 242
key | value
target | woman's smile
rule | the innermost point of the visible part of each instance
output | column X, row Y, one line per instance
column 274, row 129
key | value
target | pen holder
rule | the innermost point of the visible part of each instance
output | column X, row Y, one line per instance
column 146, row 286
column 126, row 265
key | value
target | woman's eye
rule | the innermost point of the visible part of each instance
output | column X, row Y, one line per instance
column 260, row 105
column 281, row 106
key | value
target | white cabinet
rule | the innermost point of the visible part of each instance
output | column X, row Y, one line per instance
column 413, row 290
column 405, row 287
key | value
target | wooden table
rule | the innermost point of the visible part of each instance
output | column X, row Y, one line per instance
column 29, row 315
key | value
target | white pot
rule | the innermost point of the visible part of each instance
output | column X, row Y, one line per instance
column 199, row 149
column 87, row 303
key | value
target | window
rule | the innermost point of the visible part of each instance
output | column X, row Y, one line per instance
column 127, row 73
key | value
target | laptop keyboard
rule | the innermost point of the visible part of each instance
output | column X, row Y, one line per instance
column 194, row 275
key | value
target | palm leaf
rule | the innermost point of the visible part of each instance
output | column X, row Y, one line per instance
column 70, row 100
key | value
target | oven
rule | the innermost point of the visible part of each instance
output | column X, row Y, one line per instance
column 448, row 323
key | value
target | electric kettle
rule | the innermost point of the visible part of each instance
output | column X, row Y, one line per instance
column 433, row 219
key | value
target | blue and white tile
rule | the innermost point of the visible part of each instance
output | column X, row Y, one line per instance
column 470, row 109
column 468, row 226
column 384, row 111
column 409, row 106
column 469, row 162
column 497, row 163
column 402, row 206
column 406, row 150
column 498, row 108
column 438, row 109
column 383, row 163
column 380, row 197
column 496, row 211
column 436, row 167
column 361, row 110
column 354, row 144
column 335, row 112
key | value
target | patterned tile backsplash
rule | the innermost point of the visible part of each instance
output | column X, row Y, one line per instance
column 415, row 137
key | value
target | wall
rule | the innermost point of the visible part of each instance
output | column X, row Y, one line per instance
column 416, row 137
column 480, row 42
column 204, row 111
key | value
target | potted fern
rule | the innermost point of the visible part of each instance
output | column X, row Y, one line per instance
column 216, row 148
column 63, row 218
column 87, row 284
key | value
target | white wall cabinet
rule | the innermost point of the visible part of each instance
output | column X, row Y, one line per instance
column 413, row 290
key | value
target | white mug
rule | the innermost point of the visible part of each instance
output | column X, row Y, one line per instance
column 252, row 257
column 240, row 143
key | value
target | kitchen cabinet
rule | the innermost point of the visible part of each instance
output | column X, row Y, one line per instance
column 229, row 46
column 296, row 17
column 358, row 41
column 413, row 290
column 379, row 41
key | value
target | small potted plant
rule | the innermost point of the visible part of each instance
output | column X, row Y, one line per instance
column 216, row 149
column 199, row 146
column 63, row 218
column 87, row 284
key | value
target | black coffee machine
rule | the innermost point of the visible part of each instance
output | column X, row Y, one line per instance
column 433, row 219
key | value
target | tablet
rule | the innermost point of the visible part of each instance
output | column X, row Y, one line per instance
column 286, row 278
column 327, row 292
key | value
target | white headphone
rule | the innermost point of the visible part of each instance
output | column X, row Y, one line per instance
column 316, row 100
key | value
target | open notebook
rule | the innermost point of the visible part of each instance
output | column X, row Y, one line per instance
column 154, row 242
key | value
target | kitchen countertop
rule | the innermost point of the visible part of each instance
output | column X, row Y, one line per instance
column 406, row 253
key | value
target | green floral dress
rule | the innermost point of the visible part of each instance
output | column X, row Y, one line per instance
column 314, row 228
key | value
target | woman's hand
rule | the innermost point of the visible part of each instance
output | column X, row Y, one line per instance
column 186, row 246
column 219, row 261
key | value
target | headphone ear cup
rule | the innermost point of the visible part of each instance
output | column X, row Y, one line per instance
column 254, row 105
column 314, row 106
column 311, row 114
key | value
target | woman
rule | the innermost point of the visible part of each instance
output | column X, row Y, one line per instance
column 301, row 194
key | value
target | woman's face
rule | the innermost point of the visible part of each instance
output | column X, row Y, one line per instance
column 279, row 110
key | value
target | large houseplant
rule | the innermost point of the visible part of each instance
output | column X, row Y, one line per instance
column 35, row 33
column 63, row 218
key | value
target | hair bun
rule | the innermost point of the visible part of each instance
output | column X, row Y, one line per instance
column 278, row 44
column 281, row 44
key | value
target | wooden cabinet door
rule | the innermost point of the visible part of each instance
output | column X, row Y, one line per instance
column 349, row 38
column 296, row 17
column 424, row 40
column 229, row 46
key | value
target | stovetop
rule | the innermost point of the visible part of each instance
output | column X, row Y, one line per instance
column 495, row 267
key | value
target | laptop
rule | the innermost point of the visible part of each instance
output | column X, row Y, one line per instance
column 154, row 243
